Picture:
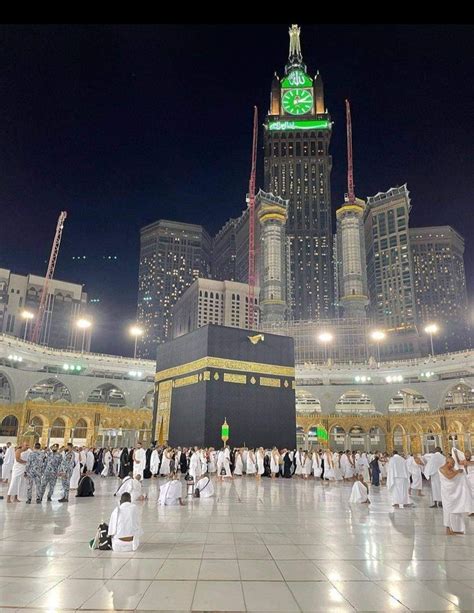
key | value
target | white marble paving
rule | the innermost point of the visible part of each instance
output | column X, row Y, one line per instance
column 283, row 545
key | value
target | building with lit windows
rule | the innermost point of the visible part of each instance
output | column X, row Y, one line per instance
column 389, row 265
column 440, row 284
column 66, row 303
column 206, row 301
column 297, row 167
column 172, row 255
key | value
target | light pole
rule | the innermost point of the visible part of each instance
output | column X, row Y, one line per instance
column 378, row 336
column 431, row 329
column 27, row 316
column 325, row 338
column 136, row 331
column 83, row 324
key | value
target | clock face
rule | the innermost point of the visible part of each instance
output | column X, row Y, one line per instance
column 297, row 101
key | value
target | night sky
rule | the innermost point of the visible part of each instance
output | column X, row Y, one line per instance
column 123, row 125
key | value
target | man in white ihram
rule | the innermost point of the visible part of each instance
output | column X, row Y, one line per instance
column 195, row 465
column 205, row 487
column 132, row 486
column 431, row 470
column 171, row 493
column 124, row 525
column 398, row 481
column 139, row 460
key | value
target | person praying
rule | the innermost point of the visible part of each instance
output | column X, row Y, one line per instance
column 171, row 493
column 360, row 491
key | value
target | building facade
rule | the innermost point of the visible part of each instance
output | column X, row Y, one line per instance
column 172, row 255
column 207, row 301
column 66, row 303
column 440, row 284
column 297, row 167
column 389, row 263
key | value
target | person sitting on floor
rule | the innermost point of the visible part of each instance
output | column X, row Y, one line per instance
column 360, row 491
column 205, row 487
column 85, row 487
column 171, row 493
column 124, row 525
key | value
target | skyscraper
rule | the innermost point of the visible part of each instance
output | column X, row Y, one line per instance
column 298, row 168
column 172, row 255
column 389, row 264
column 440, row 284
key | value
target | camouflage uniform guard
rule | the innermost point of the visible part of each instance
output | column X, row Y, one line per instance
column 65, row 471
column 50, row 474
column 34, row 471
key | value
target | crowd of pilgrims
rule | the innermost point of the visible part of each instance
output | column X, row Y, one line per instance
column 450, row 477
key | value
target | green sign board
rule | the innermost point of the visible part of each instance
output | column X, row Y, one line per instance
column 225, row 431
column 322, row 433
column 309, row 124
column 297, row 78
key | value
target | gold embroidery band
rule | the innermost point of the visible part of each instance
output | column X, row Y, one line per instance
column 222, row 363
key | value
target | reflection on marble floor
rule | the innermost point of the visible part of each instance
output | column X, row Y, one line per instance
column 283, row 545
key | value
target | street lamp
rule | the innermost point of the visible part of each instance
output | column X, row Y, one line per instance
column 378, row 336
column 325, row 338
column 27, row 316
column 83, row 324
column 431, row 329
column 136, row 331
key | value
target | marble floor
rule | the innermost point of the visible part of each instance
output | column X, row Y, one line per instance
column 283, row 545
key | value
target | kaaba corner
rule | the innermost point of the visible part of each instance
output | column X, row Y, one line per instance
column 218, row 373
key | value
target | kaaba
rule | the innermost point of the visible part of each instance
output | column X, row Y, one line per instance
column 218, row 373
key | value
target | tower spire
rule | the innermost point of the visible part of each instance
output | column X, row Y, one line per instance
column 350, row 169
column 295, row 57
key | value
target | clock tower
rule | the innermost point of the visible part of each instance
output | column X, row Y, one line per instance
column 298, row 169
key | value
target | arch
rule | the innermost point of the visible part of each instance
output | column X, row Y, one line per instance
column 377, row 439
column 58, row 428
column 9, row 426
column 147, row 400
column 306, row 402
column 460, row 395
column 107, row 393
column 6, row 389
column 300, row 437
column 399, row 438
column 354, row 401
column 337, row 438
column 80, row 429
column 49, row 390
column 37, row 424
column 408, row 401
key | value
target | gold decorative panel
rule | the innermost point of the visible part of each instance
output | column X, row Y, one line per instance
column 165, row 389
column 270, row 382
column 233, row 378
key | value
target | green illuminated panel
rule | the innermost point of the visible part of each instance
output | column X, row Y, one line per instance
column 297, row 78
column 314, row 124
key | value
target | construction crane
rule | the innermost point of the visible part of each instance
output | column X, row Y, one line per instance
column 252, row 222
column 36, row 334
column 350, row 170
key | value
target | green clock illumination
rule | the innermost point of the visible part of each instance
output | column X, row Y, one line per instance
column 297, row 101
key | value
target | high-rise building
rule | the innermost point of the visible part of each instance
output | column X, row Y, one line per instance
column 206, row 301
column 172, row 255
column 272, row 213
column 223, row 264
column 66, row 303
column 440, row 284
column 297, row 168
column 389, row 262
